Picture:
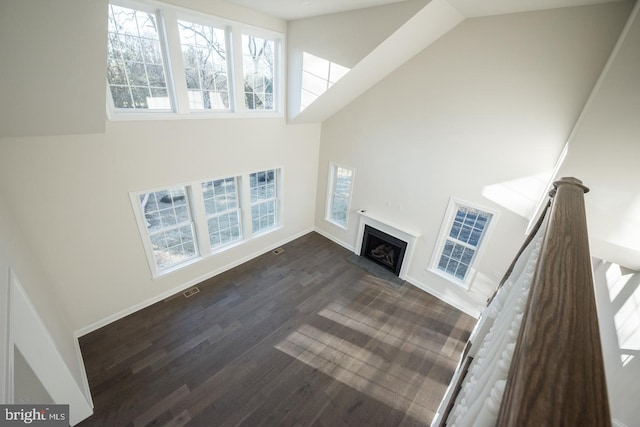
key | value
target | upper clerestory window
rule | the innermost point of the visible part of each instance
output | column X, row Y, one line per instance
column 204, row 54
column 136, row 71
column 167, row 61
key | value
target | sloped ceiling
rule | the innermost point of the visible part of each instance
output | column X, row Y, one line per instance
column 297, row 9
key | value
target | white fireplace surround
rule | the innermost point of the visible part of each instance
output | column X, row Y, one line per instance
column 401, row 233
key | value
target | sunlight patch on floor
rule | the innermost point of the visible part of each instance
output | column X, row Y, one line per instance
column 361, row 369
column 380, row 330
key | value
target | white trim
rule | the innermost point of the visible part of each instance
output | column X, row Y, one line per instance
column 32, row 338
column 401, row 233
column 156, row 271
column 445, row 228
column 195, row 115
column 470, row 309
column 9, row 363
column 146, row 303
column 203, row 233
column 277, row 177
column 335, row 239
column 85, row 388
column 193, row 192
column 158, row 12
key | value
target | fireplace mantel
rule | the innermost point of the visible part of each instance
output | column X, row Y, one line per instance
column 402, row 233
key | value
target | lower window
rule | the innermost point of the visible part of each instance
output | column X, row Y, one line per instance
column 184, row 223
column 263, row 188
column 223, row 211
column 169, row 226
column 461, row 236
column 339, row 195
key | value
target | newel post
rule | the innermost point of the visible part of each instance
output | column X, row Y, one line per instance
column 557, row 375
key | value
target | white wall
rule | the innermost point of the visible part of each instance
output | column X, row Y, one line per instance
column 70, row 193
column 51, row 55
column 604, row 153
column 18, row 260
column 497, row 98
column 30, row 336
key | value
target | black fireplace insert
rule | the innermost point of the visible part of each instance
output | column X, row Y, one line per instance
column 383, row 249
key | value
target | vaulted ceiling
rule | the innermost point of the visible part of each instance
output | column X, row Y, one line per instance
column 297, row 9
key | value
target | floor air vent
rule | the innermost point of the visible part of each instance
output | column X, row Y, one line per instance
column 191, row 291
column 278, row 251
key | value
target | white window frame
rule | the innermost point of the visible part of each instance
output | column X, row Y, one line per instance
column 445, row 229
column 112, row 111
column 277, row 71
column 331, row 192
column 277, row 199
column 167, row 18
column 199, row 217
column 237, row 211
column 146, row 235
column 179, row 71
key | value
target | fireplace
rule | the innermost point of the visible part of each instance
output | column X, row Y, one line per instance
column 383, row 249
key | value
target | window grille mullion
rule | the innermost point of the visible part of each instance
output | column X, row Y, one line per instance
column 461, row 243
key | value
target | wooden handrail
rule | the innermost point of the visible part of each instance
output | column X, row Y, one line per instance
column 557, row 375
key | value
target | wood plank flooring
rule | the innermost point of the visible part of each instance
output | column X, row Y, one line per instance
column 303, row 338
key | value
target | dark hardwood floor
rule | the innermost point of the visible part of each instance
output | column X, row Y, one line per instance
column 303, row 338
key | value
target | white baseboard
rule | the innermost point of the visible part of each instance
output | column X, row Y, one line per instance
column 144, row 304
column 334, row 239
column 86, row 389
column 469, row 309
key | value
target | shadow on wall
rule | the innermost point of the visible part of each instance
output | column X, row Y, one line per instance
column 618, row 299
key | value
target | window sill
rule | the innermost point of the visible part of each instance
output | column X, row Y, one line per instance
column 466, row 285
column 161, row 274
column 343, row 227
column 220, row 249
column 266, row 231
column 153, row 116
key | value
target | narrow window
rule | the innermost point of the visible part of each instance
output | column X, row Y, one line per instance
column 258, row 60
column 340, row 182
column 205, row 65
column 263, row 188
column 223, row 211
column 169, row 226
column 460, row 239
column 136, row 73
